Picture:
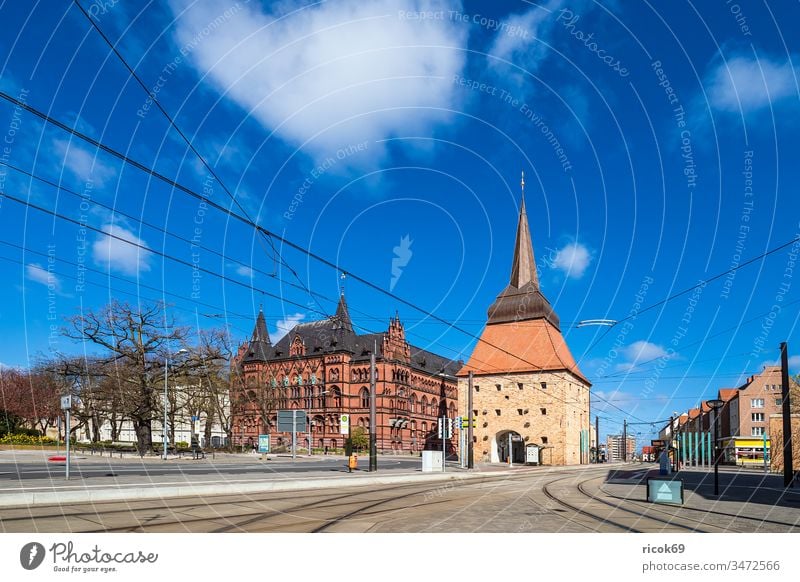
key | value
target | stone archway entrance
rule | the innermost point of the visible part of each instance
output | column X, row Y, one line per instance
column 507, row 441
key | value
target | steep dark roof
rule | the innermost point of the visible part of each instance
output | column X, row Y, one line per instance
column 522, row 300
column 336, row 334
column 259, row 348
column 342, row 315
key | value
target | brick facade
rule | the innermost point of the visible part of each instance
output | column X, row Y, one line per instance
column 322, row 367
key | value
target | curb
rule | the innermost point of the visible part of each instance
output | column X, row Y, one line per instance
column 189, row 490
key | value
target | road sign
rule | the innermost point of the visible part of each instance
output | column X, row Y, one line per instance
column 291, row 420
column 665, row 491
column 344, row 424
column 465, row 423
column 66, row 402
column 263, row 443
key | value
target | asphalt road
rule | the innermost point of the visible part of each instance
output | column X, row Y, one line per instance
column 530, row 501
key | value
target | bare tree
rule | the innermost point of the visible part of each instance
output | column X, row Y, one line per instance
column 136, row 340
column 216, row 379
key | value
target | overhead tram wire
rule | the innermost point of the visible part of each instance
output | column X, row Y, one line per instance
column 102, row 286
column 152, row 96
column 156, row 227
column 190, row 192
column 67, row 190
column 726, row 330
column 119, row 278
column 151, row 250
column 321, row 259
column 170, row 257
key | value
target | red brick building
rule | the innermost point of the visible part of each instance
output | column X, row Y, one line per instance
column 322, row 367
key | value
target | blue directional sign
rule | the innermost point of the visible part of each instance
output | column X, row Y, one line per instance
column 665, row 491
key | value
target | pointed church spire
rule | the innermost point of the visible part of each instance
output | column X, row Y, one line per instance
column 522, row 300
column 258, row 350
column 523, row 267
column 342, row 315
column 260, row 332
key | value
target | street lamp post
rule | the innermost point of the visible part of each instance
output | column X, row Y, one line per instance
column 715, row 405
column 164, row 428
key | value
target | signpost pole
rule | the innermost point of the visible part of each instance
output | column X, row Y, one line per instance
column 510, row 456
column 462, row 442
column 596, row 439
column 294, row 434
column 470, row 419
column 443, row 420
column 66, row 405
column 788, row 468
column 765, row 452
column 373, row 414
column 67, row 439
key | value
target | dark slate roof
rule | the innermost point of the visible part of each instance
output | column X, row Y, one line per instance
column 336, row 334
column 260, row 346
column 522, row 300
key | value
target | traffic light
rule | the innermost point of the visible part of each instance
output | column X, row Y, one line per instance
column 445, row 428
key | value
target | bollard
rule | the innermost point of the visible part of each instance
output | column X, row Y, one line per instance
column 352, row 463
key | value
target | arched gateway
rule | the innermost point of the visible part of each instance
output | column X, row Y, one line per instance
column 504, row 441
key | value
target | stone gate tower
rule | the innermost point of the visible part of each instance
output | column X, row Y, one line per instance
column 528, row 390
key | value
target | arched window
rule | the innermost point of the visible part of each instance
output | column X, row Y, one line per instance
column 364, row 397
column 413, row 403
column 434, row 408
column 424, row 405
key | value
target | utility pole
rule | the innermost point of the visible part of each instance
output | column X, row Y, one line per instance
column 596, row 439
column 624, row 440
column 670, row 435
column 788, row 469
column 470, row 420
column 373, row 435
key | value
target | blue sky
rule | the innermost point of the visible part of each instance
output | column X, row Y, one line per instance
column 658, row 143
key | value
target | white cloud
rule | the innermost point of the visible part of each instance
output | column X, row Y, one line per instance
column 119, row 255
column 35, row 272
column 573, row 259
column 525, row 48
column 82, row 163
column 244, row 271
column 284, row 326
column 748, row 84
column 336, row 73
column 641, row 352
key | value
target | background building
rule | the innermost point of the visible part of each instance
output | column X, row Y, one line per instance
column 528, row 390
column 614, row 447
